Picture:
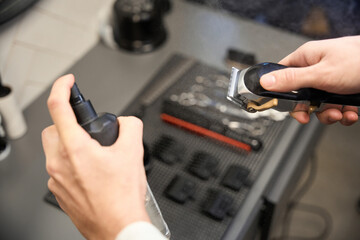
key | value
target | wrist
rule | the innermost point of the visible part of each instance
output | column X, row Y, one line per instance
column 118, row 224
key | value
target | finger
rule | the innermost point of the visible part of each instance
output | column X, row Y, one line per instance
column 301, row 116
column 61, row 111
column 57, row 189
column 295, row 59
column 306, row 55
column 53, row 186
column 130, row 135
column 50, row 141
column 350, row 115
column 57, row 159
column 68, row 192
column 49, row 138
column 350, row 108
column 62, row 204
column 59, row 193
column 329, row 116
column 131, row 128
column 290, row 79
column 349, row 118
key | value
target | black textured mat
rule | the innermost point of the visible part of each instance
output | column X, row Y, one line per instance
column 200, row 214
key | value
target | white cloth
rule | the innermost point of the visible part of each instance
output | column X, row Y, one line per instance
column 140, row 231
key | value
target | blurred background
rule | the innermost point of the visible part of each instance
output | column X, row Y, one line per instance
column 313, row 18
column 32, row 31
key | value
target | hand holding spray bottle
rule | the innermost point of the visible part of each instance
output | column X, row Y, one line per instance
column 105, row 129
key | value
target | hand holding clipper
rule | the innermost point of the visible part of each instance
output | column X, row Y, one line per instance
column 246, row 91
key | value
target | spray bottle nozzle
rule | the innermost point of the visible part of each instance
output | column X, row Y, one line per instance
column 83, row 109
column 76, row 96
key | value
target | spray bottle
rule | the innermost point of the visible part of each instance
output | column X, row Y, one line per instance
column 105, row 129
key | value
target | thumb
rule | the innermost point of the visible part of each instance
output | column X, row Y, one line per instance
column 131, row 133
column 289, row 79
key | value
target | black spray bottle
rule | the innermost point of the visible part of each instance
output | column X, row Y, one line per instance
column 105, row 129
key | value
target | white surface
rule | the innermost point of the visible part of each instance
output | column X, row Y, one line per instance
column 14, row 122
column 140, row 231
column 38, row 46
column 7, row 36
column 44, row 32
column 16, row 68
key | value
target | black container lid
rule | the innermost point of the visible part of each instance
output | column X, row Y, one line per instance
column 4, row 91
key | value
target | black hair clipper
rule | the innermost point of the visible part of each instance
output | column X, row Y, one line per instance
column 245, row 90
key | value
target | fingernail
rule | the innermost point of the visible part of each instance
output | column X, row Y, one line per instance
column 267, row 81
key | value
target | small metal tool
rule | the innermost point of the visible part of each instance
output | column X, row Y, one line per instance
column 245, row 90
column 254, row 128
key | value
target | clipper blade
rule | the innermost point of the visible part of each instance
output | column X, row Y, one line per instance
column 233, row 94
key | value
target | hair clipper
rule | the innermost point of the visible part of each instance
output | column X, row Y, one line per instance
column 245, row 90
